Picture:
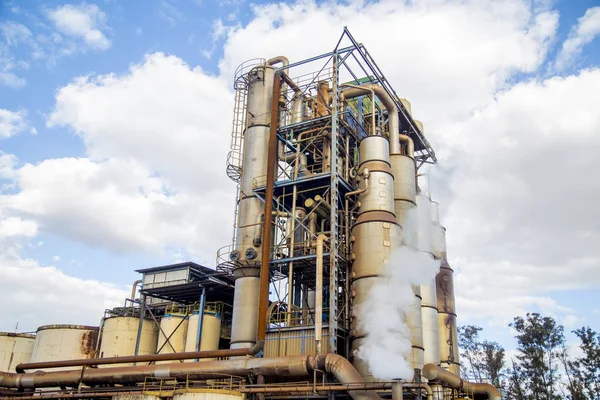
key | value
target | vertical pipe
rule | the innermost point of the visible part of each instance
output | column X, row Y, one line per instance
column 140, row 326
column 201, row 318
column 319, row 293
column 397, row 390
column 266, row 246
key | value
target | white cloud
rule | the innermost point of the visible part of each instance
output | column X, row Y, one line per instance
column 514, row 159
column 447, row 57
column 12, row 123
column 521, row 222
column 41, row 295
column 85, row 22
column 12, row 227
column 587, row 28
column 13, row 35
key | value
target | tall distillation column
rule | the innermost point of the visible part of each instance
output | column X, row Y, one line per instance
column 247, row 252
column 444, row 282
column 405, row 192
column 429, row 310
column 375, row 231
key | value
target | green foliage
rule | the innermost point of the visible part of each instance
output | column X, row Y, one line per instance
column 540, row 340
column 542, row 368
column 485, row 359
column 586, row 369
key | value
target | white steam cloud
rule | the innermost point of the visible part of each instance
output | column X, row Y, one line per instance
column 387, row 347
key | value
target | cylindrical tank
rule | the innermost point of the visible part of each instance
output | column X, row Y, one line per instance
column 174, row 328
column 64, row 342
column 119, row 337
column 211, row 332
column 15, row 348
column 375, row 233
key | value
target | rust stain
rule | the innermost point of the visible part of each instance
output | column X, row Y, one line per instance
column 88, row 343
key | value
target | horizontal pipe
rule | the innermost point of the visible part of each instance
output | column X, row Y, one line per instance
column 319, row 388
column 290, row 367
column 432, row 372
column 248, row 351
column 83, row 395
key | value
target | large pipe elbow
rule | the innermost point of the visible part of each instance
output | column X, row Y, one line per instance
column 134, row 288
column 434, row 373
column 390, row 106
column 409, row 144
column 277, row 60
column 344, row 372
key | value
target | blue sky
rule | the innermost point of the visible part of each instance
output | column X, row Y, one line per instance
column 117, row 126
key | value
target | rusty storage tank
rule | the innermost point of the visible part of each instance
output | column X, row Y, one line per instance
column 119, row 337
column 15, row 348
column 64, row 342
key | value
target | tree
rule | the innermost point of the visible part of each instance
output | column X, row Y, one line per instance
column 486, row 359
column 468, row 343
column 540, row 340
column 586, row 369
column 493, row 361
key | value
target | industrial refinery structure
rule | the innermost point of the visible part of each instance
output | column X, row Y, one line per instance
column 326, row 156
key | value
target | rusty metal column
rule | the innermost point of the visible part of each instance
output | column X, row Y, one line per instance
column 266, row 247
column 333, row 241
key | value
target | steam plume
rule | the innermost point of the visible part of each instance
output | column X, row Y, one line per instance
column 387, row 345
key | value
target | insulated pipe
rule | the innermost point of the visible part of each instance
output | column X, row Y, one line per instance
column 372, row 103
column 288, row 158
column 388, row 102
column 365, row 174
column 409, row 144
column 293, row 366
column 263, row 302
column 257, row 241
column 134, row 288
column 319, row 292
column 285, row 62
column 432, row 372
column 414, row 385
column 397, row 390
column 249, row 351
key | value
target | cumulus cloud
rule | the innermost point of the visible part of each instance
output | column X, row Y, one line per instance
column 85, row 22
column 41, row 295
column 524, row 206
column 12, row 123
column 514, row 160
column 587, row 28
column 96, row 203
column 165, row 123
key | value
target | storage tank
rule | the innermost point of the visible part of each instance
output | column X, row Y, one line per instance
column 211, row 332
column 119, row 337
column 15, row 348
column 64, row 342
column 174, row 327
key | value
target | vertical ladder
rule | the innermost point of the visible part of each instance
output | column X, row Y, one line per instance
column 333, row 241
